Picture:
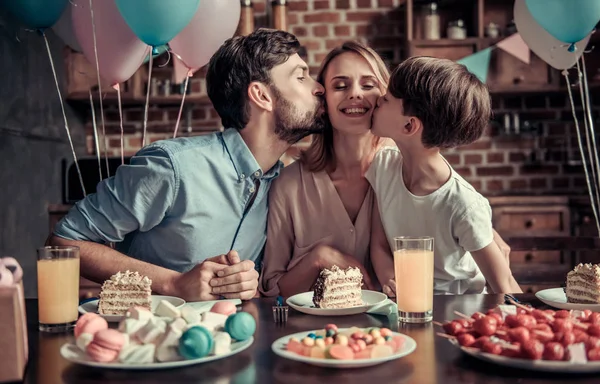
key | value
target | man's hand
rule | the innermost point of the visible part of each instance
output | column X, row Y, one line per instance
column 238, row 280
column 327, row 257
column 194, row 285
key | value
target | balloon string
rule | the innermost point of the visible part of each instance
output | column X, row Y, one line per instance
column 168, row 59
column 147, row 100
column 586, row 102
column 96, row 141
column 582, row 152
column 99, row 90
column 187, row 79
column 62, row 106
column 118, row 87
column 588, row 140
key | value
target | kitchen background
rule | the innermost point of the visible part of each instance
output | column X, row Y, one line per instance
column 528, row 162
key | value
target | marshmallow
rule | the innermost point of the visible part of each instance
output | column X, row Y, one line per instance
column 167, row 309
column 505, row 310
column 213, row 321
column 130, row 325
column 152, row 331
column 179, row 323
column 83, row 340
column 171, row 337
column 222, row 343
column 139, row 313
column 138, row 354
column 577, row 353
column 190, row 315
column 164, row 354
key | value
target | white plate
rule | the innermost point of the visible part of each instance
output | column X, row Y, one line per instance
column 75, row 355
column 92, row 306
column 532, row 365
column 279, row 348
column 556, row 297
column 303, row 302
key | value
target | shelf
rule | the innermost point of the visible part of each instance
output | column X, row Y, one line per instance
column 130, row 100
column 445, row 42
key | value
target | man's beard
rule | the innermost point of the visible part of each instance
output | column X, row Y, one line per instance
column 290, row 125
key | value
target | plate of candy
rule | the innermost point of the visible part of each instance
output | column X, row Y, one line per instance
column 528, row 338
column 345, row 347
column 169, row 338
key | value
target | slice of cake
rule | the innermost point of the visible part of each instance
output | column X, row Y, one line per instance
column 123, row 291
column 583, row 284
column 337, row 288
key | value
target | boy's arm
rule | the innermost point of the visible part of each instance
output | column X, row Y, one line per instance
column 381, row 254
column 495, row 269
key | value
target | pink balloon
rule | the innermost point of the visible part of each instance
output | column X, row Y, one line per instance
column 120, row 52
column 214, row 22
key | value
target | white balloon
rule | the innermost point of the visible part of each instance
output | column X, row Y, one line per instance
column 64, row 29
column 542, row 43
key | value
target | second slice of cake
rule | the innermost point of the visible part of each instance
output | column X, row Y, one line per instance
column 337, row 288
column 123, row 291
column 583, row 284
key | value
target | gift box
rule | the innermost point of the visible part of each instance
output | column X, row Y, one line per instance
column 13, row 338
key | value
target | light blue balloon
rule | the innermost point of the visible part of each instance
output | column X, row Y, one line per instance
column 156, row 22
column 567, row 20
column 35, row 14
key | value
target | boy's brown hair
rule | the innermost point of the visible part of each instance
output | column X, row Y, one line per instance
column 451, row 102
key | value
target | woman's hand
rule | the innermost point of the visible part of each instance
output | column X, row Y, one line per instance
column 390, row 288
column 326, row 257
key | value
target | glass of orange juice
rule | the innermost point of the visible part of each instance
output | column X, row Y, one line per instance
column 58, row 287
column 413, row 270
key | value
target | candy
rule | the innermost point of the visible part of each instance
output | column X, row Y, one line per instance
column 308, row 341
column 341, row 340
column 385, row 332
column 328, row 340
column 332, row 327
column 340, row 352
column 224, row 308
column 166, row 309
column 196, row 342
column 320, row 343
column 312, row 335
column 241, row 326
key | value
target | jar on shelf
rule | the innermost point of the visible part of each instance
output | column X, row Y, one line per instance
column 431, row 22
column 456, row 30
column 492, row 30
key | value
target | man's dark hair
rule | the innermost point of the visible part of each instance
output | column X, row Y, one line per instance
column 240, row 61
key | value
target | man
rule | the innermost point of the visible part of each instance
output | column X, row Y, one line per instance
column 185, row 211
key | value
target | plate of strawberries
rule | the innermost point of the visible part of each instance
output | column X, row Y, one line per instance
column 523, row 337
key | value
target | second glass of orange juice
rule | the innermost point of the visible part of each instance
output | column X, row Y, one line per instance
column 58, row 288
column 413, row 271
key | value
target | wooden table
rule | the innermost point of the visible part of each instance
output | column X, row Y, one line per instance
column 434, row 361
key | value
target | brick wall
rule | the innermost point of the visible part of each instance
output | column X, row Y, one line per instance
column 544, row 160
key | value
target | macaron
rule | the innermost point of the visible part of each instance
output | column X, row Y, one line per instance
column 89, row 323
column 240, row 326
column 195, row 343
column 106, row 345
column 224, row 307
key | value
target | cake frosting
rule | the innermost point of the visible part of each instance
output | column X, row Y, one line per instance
column 337, row 288
column 583, row 284
column 123, row 291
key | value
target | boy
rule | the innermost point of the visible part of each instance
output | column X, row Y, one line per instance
column 434, row 104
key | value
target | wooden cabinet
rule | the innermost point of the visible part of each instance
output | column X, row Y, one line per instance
column 535, row 216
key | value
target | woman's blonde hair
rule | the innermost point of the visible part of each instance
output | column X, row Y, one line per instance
column 320, row 155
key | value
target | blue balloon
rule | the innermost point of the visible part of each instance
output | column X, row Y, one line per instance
column 35, row 14
column 156, row 22
column 567, row 20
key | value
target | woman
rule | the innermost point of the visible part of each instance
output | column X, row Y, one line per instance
column 320, row 207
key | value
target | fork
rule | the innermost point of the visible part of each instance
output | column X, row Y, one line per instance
column 280, row 311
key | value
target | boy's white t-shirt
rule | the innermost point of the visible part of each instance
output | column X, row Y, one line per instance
column 456, row 216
